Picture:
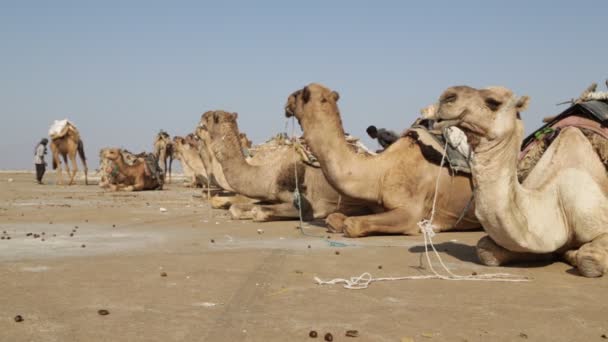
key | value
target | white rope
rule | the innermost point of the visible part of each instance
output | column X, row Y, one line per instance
column 295, row 170
column 428, row 231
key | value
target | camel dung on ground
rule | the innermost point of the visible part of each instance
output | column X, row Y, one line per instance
column 561, row 208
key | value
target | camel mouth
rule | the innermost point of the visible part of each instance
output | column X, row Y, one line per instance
column 440, row 124
column 289, row 113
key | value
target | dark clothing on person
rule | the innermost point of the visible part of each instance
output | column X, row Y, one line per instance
column 39, row 159
column 40, row 169
column 385, row 137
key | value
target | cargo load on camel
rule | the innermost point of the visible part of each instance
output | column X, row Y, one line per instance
column 588, row 113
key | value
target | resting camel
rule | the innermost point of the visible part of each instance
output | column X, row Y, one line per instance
column 187, row 152
column 163, row 150
column 216, row 174
column 560, row 209
column 67, row 145
column 109, row 172
column 275, row 180
column 136, row 177
column 400, row 180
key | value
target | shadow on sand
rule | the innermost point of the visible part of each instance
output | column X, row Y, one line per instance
column 468, row 253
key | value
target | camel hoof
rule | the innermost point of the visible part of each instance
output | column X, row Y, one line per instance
column 590, row 263
column 260, row 214
column 335, row 222
column 352, row 228
column 238, row 214
column 487, row 251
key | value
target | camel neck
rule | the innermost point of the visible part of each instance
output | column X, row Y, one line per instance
column 501, row 202
column 120, row 162
column 347, row 171
column 244, row 178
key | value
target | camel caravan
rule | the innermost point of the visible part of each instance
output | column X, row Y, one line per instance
column 464, row 163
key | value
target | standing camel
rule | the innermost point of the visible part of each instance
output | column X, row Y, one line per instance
column 67, row 144
column 163, row 149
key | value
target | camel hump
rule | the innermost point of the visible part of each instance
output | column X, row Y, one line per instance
column 570, row 149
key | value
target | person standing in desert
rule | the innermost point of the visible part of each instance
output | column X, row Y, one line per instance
column 39, row 159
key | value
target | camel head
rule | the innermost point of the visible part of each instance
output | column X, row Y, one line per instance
column 220, row 123
column 311, row 102
column 179, row 143
column 245, row 142
column 111, row 153
column 201, row 130
column 192, row 140
column 483, row 114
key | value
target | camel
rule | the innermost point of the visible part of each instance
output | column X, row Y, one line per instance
column 187, row 152
column 561, row 209
column 109, row 173
column 163, row 150
column 136, row 177
column 66, row 142
column 274, row 181
column 399, row 180
column 256, row 155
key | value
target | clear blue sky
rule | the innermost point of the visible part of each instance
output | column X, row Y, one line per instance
column 121, row 70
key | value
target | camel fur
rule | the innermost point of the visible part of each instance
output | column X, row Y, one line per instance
column 400, row 180
column 67, row 144
column 135, row 177
column 163, row 150
column 187, row 152
column 277, row 181
column 562, row 206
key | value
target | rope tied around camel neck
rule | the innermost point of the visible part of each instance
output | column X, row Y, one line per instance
column 428, row 232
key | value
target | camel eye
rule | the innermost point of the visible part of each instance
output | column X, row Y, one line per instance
column 493, row 104
column 449, row 98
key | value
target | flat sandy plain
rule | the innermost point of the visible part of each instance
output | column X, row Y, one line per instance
column 225, row 281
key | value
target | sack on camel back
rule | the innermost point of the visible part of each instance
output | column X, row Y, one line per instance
column 59, row 128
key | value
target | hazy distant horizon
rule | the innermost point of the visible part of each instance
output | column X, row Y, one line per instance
column 121, row 71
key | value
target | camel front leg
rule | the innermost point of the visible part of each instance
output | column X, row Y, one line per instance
column 335, row 222
column 274, row 212
column 591, row 259
column 397, row 221
column 57, row 163
column 74, row 169
column 491, row 254
column 127, row 188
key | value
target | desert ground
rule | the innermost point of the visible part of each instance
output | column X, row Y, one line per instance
column 189, row 273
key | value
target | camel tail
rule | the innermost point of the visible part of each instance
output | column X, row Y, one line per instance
column 83, row 158
column 81, row 152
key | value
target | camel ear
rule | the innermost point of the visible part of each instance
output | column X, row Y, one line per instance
column 216, row 118
column 522, row 103
column 492, row 103
column 235, row 115
column 305, row 95
column 335, row 96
